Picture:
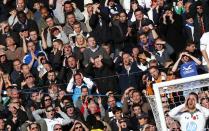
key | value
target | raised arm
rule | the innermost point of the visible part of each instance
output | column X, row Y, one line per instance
column 204, row 110
column 36, row 114
column 44, row 44
column 25, row 49
column 175, row 66
column 194, row 59
column 88, row 82
column 70, row 85
column 66, row 119
column 174, row 112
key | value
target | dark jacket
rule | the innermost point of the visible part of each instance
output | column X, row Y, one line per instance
column 100, row 27
column 105, row 77
column 127, row 79
column 21, row 118
column 169, row 30
column 30, row 25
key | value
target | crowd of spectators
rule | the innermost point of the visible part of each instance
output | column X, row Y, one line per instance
column 80, row 65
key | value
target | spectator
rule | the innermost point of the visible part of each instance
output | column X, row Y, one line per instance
column 188, row 68
column 99, row 22
column 190, row 106
column 142, row 121
column 13, row 52
column 83, row 98
column 7, row 31
column 71, row 20
column 70, row 7
column 16, row 73
column 5, row 63
column 126, row 65
column 93, row 51
column 79, row 126
column 163, row 51
column 23, row 22
column 50, row 119
column 200, row 20
column 76, row 83
column 99, row 68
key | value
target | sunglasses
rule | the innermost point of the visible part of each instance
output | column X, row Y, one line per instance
column 78, row 127
column 50, row 110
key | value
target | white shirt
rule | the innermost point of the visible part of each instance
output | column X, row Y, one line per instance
column 188, row 121
column 52, row 122
column 204, row 45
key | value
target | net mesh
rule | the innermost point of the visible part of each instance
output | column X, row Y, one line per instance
column 174, row 95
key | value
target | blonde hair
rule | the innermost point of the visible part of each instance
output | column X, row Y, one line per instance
column 84, row 39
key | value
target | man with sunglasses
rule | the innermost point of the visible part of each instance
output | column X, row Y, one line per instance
column 50, row 119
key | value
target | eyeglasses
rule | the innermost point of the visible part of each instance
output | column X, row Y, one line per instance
column 78, row 127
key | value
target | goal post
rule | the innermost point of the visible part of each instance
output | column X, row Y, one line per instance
column 183, row 84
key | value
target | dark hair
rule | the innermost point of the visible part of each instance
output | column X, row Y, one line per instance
column 90, row 37
column 16, row 60
column 32, row 30
column 66, row 98
column 48, row 17
column 84, row 87
column 123, row 11
column 77, row 23
column 189, row 43
column 136, row 105
column 19, row 13
column 116, row 109
column 194, row 94
column 138, row 10
column 76, row 74
column 43, row 100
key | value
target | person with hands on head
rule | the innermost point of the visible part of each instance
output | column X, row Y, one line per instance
column 79, row 126
column 188, row 67
column 50, row 119
column 75, row 84
column 191, row 115
column 31, row 57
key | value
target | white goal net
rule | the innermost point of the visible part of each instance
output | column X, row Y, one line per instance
column 170, row 94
